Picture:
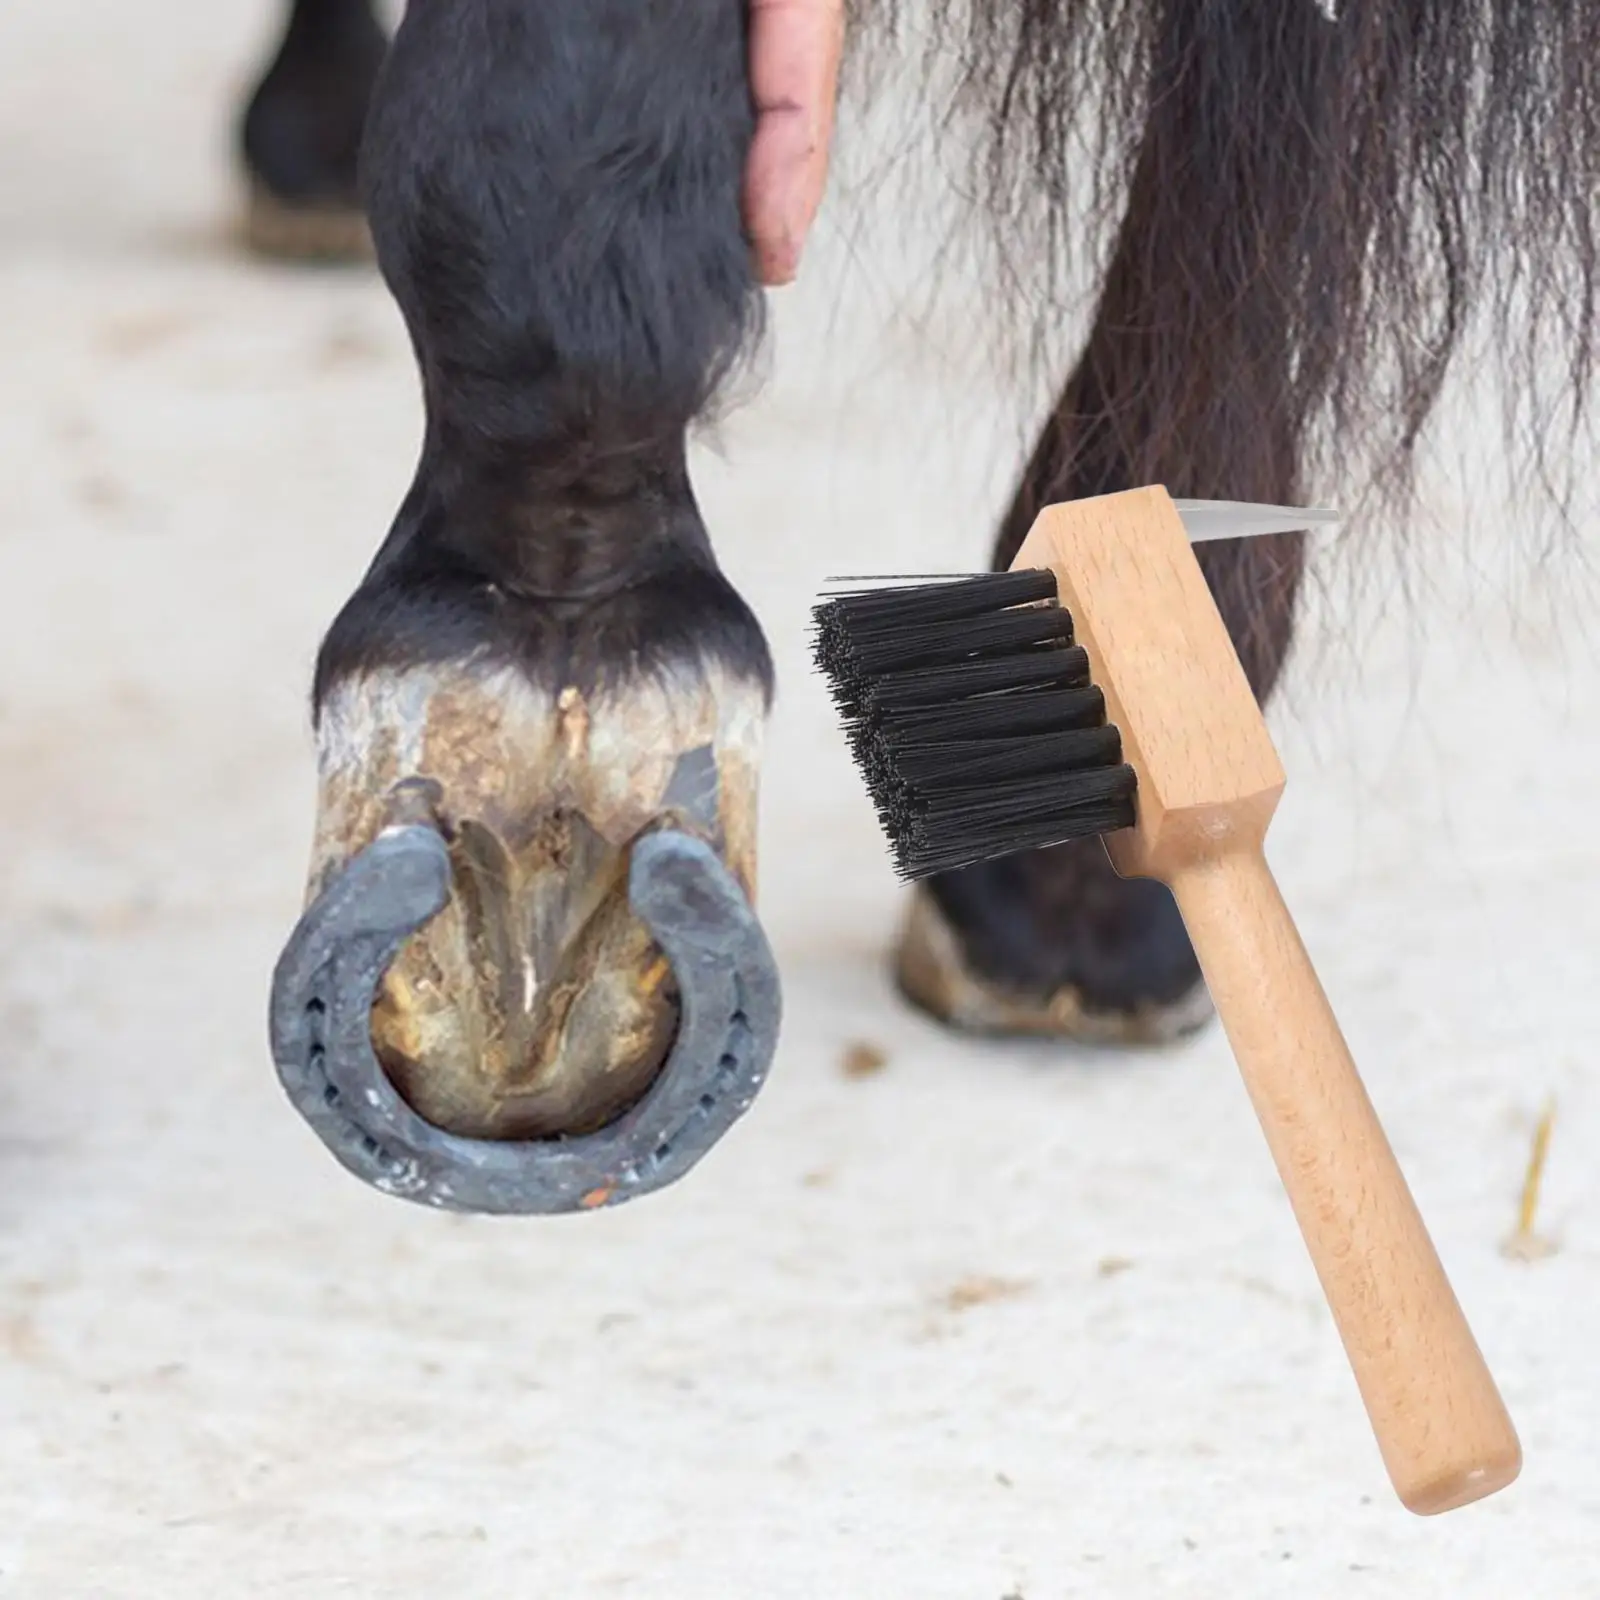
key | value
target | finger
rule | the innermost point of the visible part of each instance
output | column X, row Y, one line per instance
column 795, row 48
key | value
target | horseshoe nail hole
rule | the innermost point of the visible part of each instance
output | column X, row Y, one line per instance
column 386, row 1163
column 316, row 1008
column 330, row 1096
column 707, row 1102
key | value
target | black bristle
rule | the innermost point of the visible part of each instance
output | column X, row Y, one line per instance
column 969, row 710
column 932, row 686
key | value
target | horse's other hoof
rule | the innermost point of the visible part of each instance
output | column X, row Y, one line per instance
column 1052, row 943
column 529, row 978
column 300, row 135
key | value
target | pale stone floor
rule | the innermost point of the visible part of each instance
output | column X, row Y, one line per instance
column 995, row 1321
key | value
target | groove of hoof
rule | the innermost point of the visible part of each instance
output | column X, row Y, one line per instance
column 933, row 973
column 323, row 993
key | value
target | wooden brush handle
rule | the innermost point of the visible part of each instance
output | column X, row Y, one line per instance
column 1441, row 1425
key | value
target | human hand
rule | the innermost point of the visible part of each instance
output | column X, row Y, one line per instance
column 795, row 46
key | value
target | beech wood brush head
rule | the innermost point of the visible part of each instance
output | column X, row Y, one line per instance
column 1094, row 689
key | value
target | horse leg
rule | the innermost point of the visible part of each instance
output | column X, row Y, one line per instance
column 300, row 132
column 544, row 668
column 1169, row 389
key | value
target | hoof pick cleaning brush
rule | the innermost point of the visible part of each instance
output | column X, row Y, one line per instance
column 1093, row 689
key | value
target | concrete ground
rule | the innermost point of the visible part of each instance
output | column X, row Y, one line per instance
column 993, row 1321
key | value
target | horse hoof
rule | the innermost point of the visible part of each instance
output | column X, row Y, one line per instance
column 529, row 977
column 1052, row 944
column 299, row 138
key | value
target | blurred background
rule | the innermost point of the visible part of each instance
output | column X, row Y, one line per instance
column 989, row 1321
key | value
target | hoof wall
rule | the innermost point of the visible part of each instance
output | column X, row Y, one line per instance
column 932, row 972
column 329, row 235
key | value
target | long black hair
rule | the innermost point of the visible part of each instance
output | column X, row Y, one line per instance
column 1374, row 180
